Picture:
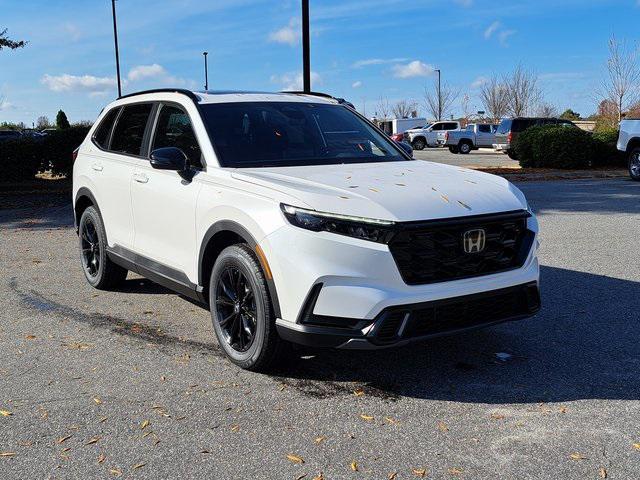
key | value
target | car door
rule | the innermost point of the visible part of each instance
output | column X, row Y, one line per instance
column 164, row 202
column 115, row 149
column 484, row 136
column 432, row 134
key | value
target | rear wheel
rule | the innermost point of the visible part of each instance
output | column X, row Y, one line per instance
column 453, row 149
column 98, row 269
column 241, row 310
column 634, row 164
column 464, row 148
column 419, row 144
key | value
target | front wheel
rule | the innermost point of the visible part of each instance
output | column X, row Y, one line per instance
column 634, row 164
column 465, row 148
column 241, row 310
column 453, row 149
column 418, row 144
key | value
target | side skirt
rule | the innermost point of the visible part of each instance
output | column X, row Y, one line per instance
column 156, row 272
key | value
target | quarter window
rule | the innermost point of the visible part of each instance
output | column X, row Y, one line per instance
column 484, row 128
column 101, row 137
column 174, row 129
column 129, row 132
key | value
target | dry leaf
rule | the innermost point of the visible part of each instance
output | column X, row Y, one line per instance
column 97, row 400
column 137, row 466
column 497, row 416
column 319, row 440
column 636, row 446
column 66, row 449
column 359, row 392
column 144, row 425
column 92, row 441
column 320, row 476
column 235, row 428
column 562, row 409
column 30, row 337
column 455, row 471
column 354, row 466
column 5, row 413
column 419, row 472
column 115, row 471
column 300, row 477
column 443, row 427
column 603, row 472
column 64, row 439
column 102, row 458
column 7, row 454
column 392, row 476
column 295, row 458
column 392, row 421
column 577, row 456
column 368, row 418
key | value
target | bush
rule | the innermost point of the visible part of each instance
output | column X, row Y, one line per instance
column 555, row 146
column 20, row 160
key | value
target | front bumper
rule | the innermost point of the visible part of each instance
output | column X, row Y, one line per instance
column 403, row 324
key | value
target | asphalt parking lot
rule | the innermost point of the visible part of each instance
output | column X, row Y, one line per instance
column 130, row 384
column 484, row 157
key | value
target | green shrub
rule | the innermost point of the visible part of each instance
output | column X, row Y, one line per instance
column 555, row 146
column 20, row 160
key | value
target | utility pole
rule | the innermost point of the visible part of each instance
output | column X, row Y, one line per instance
column 306, row 48
column 439, row 96
column 115, row 38
column 206, row 72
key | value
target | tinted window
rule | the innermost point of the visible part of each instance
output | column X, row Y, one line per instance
column 101, row 137
column 484, row 128
column 174, row 129
column 450, row 126
column 522, row 124
column 437, row 127
column 129, row 131
column 293, row 133
column 505, row 126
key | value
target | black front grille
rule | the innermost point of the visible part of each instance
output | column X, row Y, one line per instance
column 444, row 316
column 433, row 252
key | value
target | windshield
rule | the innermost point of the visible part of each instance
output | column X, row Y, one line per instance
column 505, row 126
column 265, row 134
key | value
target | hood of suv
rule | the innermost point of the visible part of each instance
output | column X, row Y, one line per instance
column 397, row 191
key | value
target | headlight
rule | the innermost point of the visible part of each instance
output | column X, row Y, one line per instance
column 370, row 229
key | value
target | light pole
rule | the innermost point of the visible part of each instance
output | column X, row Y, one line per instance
column 306, row 48
column 115, row 38
column 206, row 72
column 439, row 96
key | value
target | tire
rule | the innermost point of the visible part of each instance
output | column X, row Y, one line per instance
column 634, row 164
column 464, row 148
column 512, row 154
column 241, row 310
column 419, row 144
column 99, row 270
column 454, row 149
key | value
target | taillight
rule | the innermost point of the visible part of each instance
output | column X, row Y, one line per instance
column 74, row 155
column 446, row 136
column 509, row 137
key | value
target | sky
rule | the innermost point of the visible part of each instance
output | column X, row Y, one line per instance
column 362, row 50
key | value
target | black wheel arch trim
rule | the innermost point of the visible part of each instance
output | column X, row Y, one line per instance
column 82, row 192
column 632, row 144
column 234, row 227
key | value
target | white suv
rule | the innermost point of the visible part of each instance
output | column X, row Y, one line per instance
column 297, row 221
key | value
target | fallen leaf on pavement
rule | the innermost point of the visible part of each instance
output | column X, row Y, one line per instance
column 455, row 471
column 392, row 476
column 419, row 472
column 368, row 418
column 5, row 413
column 97, row 400
column 101, row 458
column 115, row 472
column 295, row 459
column 359, row 392
column 603, row 472
column 137, row 466
column 636, row 446
column 7, row 454
column 443, row 427
column 300, row 477
column 354, row 466
column 144, row 425
column 320, row 476
column 562, row 409
column 392, row 421
column 64, row 439
column 319, row 440
column 577, row 456
column 92, row 441
column 497, row 416
column 30, row 337
column 235, row 428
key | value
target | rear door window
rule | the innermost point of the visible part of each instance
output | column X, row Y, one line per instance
column 128, row 134
column 450, row 126
column 484, row 128
column 103, row 132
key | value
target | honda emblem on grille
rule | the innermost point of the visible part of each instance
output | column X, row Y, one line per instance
column 474, row 240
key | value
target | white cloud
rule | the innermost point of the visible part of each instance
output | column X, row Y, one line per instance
column 478, row 82
column 145, row 71
column 288, row 35
column 4, row 105
column 376, row 61
column 491, row 29
column 294, row 81
column 86, row 83
column 412, row 69
column 504, row 36
column 356, row 84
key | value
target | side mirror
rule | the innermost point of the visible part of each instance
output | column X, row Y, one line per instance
column 169, row 158
column 406, row 147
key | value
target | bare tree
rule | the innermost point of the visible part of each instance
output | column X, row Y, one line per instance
column 404, row 109
column 383, row 109
column 523, row 93
column 464, row 105
column 495, row 98
column 43, row 122
column 620, row 85
column 546, row 110
column 439, row 100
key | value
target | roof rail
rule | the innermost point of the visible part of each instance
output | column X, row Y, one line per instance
column 341, row 101
column 182, row 91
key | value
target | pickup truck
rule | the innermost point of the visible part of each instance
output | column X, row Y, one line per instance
column 431, row 135
column 475, row 136
column 629, row 143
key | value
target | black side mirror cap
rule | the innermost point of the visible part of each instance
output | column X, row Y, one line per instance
column 169, row 158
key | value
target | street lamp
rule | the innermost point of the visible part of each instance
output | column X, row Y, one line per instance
column 115, row 38
column 306, row 49
column 206, row 72
column 439, row 96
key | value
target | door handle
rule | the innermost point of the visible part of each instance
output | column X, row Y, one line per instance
column 141, row 178
column 96, row 167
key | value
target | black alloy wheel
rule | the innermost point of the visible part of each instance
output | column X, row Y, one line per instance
column 90, row 247
column 236, row 309
column 634, row 164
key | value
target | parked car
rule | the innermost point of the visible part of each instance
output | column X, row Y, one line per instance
column 295, row 219
column 629, row 142
column 430, row 136
column 401, row 125
column 7, row 135
column 510, row 128
column 475, row 136
column 33, row 135
column 47, row 131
